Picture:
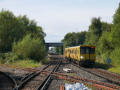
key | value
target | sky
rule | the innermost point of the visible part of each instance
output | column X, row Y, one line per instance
column 58, row 17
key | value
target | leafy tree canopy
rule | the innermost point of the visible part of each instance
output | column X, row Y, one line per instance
column 13, row 29
column 74, row 39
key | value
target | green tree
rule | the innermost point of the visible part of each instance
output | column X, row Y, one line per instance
column 69, row 39
column 104, row 44
column 13, row 29
column 74, row 39
column 80, row 38
column 30, row 27
column 29, row 47
column 94, row 32
column 8, row 30
column 106, row 27
column 116, row 17
column 115, row 34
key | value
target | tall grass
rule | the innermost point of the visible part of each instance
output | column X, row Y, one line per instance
column 26, row 64
column 21, row 63
column 115, row 56
column 12, row 60
column 115, row 69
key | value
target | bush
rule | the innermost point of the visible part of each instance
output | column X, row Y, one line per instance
column 115, row 56
column 30, row 48
column 8, row 57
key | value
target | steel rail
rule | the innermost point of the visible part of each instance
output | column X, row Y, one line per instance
column 45, row 84
column 27, row 78
column 79, row 79
column 111, row 77
column 102, row 76
column 11, row 79
column 117, row 76
column 99, row 87
column 97, row 74
column 30, row 74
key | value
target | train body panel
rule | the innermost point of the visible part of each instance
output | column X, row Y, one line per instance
column 82, row 53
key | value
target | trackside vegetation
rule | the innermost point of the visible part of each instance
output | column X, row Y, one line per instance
column 29, row 47
column 105, row 36
column 27, row 63
column 21, row 40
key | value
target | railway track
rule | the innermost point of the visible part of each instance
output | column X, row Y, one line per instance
column 40, row 79
column 48, row 78
column 33, row 72
column 110, row 77
column 37, row 80
column 7, row 82
column 103, row 74
column 92, row 83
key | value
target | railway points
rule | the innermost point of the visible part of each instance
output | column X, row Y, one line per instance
column 40, row 84
column 46, row 78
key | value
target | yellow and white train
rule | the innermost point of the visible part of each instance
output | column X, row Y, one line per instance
column 83, row 54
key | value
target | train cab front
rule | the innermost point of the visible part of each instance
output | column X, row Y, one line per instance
column 87, row 56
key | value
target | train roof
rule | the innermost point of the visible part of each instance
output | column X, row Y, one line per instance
column 81, row 46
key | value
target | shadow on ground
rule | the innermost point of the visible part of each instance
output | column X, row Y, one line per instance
column 102, row 66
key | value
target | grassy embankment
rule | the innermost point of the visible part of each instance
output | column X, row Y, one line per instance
column 21, row 63
column 110, row 67
column 115, row 69
column 25, row 63
column 12, row 60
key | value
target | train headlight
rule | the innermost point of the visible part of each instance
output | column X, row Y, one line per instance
column 81, row 57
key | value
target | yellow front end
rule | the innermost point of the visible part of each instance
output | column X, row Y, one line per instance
column 87, row 54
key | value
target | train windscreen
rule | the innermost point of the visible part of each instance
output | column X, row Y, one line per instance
column 92, row 50
column 87, row 50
